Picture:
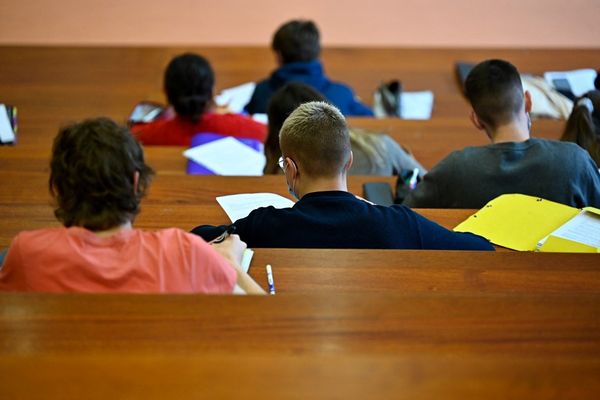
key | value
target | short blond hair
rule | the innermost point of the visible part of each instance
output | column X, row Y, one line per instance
column 316, row 136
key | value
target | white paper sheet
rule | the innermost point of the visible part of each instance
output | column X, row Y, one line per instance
column 228, row 156
column 237, row 97
column 238, row 206
column 582, row 228
column 580, row 80
column 247, row 259
column 6, row 132
column 416, row 105
column 262, row 118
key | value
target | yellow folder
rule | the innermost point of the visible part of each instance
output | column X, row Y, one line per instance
column 528, row 223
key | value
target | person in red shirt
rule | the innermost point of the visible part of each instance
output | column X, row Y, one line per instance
column 97, row 178
column 188, row 83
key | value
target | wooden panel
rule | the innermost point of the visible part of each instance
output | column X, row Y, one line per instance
column 433, row 271
column 326, row 345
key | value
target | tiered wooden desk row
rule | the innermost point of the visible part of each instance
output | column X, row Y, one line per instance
column 345, row 323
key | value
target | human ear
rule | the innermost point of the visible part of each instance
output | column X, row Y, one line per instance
column 528, row 102
column 349, row 163
column 278, row 58
column 475, row 120
column 136, row 181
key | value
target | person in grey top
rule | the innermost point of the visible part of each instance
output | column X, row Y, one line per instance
column 374, row 153
column 514, row 162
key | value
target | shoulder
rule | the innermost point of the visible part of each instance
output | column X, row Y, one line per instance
column 233, row 124
column 454, row 160
column 568, row 151
column 160, row 132
column 173, row 237
column 45, row 235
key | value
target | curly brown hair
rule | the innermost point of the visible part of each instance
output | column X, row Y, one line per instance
column 92, row 174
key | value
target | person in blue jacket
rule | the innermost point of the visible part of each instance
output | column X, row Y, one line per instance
column 297, row 48
column 316, row 155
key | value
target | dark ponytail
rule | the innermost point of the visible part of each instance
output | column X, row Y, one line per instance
column 583, row 125
column 189, row 82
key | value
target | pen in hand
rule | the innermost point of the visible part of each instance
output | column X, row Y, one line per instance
column 412, row 182
column 229, row 231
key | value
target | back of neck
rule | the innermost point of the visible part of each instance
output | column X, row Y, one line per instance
column 513, row 132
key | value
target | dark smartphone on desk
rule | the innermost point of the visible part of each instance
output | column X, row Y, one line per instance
column 563, row 87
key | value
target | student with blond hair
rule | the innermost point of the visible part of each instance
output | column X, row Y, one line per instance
column 316, row 156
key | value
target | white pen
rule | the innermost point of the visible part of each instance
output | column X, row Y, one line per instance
column 270, row 280
column 412, row 183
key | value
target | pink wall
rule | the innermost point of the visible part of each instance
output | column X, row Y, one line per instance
column 470, row 23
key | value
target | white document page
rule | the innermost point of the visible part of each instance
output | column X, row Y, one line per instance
column 6, row 132
column 582, row 228
column 416, row 105
column 238, row 206
column 247, row 259
column 262, row 118
column 580, row 80
column 237, row 97
column 228, row 156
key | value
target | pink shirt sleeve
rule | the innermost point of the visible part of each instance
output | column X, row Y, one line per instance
column 209, row 271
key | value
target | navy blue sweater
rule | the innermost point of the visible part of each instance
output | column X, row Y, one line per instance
column 310, row 73
column 337, row 219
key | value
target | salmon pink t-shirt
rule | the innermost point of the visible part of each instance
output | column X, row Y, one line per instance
column 77, row 260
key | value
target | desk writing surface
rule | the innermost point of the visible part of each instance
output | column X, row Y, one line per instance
column 304, row 346
column 431, row 271
column 77, row 83
column 179, row 201
column 429, row 141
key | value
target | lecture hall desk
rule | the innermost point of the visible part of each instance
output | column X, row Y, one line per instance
column 314, row 345
column 412, row 325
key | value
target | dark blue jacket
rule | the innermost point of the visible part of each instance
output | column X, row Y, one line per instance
column 310, row 73
column 337, row 219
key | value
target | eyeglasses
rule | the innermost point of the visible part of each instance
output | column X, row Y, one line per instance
column 281, row 163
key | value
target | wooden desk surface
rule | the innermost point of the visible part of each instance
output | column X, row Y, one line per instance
column 327, row 345
column 412, row 325
column 55, row 85
column 432, row 271
column 173, row 200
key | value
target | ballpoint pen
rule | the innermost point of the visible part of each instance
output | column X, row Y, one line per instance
column 270, row 280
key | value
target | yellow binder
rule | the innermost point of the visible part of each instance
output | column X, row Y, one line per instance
column 528, row 223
